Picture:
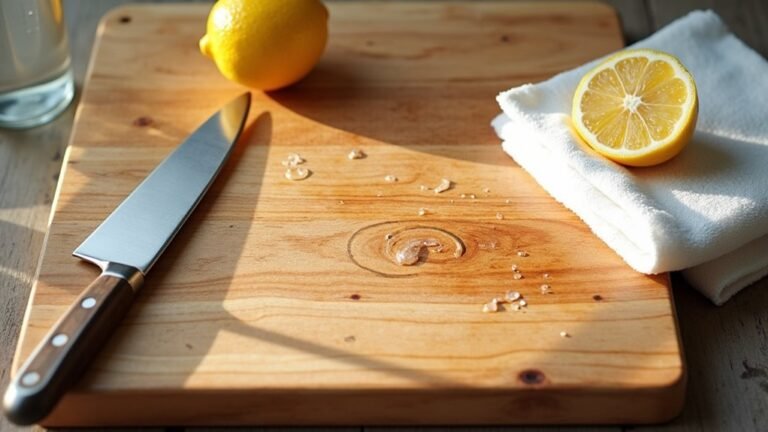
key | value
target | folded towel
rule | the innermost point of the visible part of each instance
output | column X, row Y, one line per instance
column 706, row 210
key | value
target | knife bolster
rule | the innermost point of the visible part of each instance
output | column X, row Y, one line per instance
column 132, row 275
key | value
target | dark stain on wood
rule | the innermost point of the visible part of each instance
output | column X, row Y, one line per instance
column 143, row 121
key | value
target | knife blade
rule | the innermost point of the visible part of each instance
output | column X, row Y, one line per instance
column 125, row 246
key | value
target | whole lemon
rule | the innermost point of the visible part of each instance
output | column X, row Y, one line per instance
column 266, row 44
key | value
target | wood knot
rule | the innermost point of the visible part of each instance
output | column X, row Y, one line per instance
column 597, row 297
column 355, row 296
column 401, row 249
column 125, row 19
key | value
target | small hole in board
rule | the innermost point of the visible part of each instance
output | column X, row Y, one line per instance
column 532, row 377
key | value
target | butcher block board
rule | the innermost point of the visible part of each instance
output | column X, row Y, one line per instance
column 279, row 303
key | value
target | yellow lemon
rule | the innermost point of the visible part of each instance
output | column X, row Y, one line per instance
column 638, row 107
column 266, row 44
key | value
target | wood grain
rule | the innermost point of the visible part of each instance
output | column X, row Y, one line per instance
column 724, row 394
column 259, row 300
column 446, row 157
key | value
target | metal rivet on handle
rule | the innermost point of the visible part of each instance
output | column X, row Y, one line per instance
column 88, row 303
column 30, row 378
column 59, row 340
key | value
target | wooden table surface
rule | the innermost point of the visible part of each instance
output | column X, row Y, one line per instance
column 726, row 348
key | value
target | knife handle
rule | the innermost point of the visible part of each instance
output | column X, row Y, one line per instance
column 65, row 352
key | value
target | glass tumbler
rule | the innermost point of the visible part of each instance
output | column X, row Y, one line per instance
column 35, row 74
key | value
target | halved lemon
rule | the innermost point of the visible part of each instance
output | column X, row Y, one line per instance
column 638, row 107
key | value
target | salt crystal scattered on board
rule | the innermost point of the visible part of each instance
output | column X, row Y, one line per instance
column 390, row 178
column 492, row 306
column 355, row 154
column 444, row 185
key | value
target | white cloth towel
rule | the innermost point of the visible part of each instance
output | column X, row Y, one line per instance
column 706, row 210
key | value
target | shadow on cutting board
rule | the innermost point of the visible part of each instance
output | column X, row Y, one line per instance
column 443, row 120
column 169, row 333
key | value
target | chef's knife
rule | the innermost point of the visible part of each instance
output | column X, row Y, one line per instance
column 124, row 246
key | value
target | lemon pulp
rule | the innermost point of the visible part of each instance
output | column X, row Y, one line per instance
column 638, row 108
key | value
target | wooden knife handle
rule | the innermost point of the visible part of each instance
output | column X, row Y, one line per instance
column 73, row 342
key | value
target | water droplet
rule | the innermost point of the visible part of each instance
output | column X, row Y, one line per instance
column 292, row 160
column 356, row 154
column 522, row 253
column 486, row 190
column 388, row 236
column 499, row 216
column 517, row 276
column 473, row 196
column 514, row 267
column 410, row 252
column 297, row 173
column 390, row 178
column 444, row 185
column 423, row 188
column 546, row 275
column 423, row 211
column 564, row 334
column 463, row 195
column 544, row 289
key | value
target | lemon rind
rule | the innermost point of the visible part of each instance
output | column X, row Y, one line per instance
column 690, row 108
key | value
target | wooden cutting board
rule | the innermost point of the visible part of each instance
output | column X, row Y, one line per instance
column 279, row 302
